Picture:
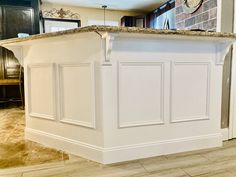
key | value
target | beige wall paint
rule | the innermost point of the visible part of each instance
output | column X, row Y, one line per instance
column 91, row 14
column 227, row 16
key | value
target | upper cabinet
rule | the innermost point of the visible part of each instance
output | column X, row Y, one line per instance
column 130, row 21
column 18, row 16
column 17, row 20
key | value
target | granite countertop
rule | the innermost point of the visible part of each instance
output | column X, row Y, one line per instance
column 121, row 30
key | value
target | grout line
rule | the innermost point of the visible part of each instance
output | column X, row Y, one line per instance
column 185, row 172
column 202, row 155
column 143, row 167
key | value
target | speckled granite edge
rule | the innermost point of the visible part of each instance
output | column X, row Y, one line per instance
column 121, row 30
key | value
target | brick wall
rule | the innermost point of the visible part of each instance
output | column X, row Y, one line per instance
column 204, row 18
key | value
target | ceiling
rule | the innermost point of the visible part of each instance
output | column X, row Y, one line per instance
column 134, row 5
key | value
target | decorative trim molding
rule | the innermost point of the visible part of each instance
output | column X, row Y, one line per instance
column 140, row 63
column 63, row 119
column 157, row 148
column 35, row 114
column 225, row 134
column 42, row 116
column 197, row 118
column 88, row 151
column 222, row 50
column 124, row 153
column 61, row 14
column 108, row 45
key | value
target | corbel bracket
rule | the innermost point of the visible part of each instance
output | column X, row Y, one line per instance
column 222, row 49
column 108, row 39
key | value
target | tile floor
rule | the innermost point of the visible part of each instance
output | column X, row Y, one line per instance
column 14, row 150
column 216, row 162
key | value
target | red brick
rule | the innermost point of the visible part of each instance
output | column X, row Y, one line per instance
column 200, row 10
column 203, row 18
column 213, row 13
column 180, row 17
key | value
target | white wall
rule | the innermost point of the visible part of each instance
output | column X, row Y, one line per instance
column 91, row 14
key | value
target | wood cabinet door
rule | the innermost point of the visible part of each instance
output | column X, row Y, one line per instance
column 17, row 20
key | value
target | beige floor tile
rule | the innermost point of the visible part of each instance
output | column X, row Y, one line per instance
column 144, row 174
column 221, row 154
column 230, row 143
column 173, row 163
column 211, row 167
column 60, row 171
column 15, row 151
column 233, row 171
column 73, row 159
column 53, row 172
column 153, row 159
column 191, row 153
column 13, row 175
column 170, row 173
column 10, row 171
column 218, row 174
column 121, row 170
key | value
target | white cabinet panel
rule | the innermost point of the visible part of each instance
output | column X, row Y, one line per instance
column 41, row 86
column 190, row 91
column 140, row 93
column 77, row 96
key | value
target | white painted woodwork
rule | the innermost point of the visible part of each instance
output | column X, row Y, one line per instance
column 77, row 94
column 219, row 15
column 114, row 97
column 41, row 79
column 140, row 93
column 225, row 134
column 187, row 79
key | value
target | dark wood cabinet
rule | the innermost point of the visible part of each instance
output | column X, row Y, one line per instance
column 16, row 16
column 130, row 21
column 26, row 9
column 17, row 20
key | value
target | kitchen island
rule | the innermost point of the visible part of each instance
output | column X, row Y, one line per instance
column 113, row 94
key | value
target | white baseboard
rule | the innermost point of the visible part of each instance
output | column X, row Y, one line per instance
column 87, row 151
column 124, row 153
column 225, row 134
column 153, row 149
